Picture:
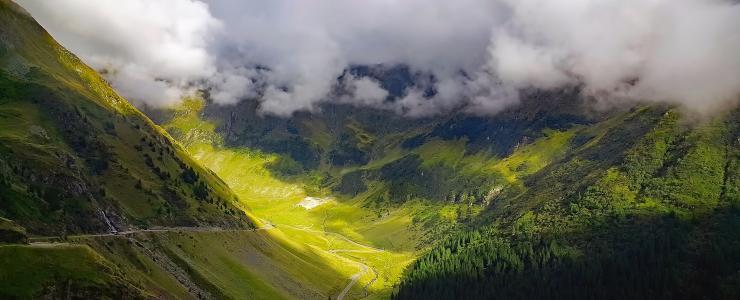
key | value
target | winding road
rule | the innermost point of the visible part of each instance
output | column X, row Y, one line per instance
column 353, row 281
column 363, row 267
column 44, row 241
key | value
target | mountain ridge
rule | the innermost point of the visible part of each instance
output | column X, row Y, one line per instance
column 70, row 113
column 549, row 198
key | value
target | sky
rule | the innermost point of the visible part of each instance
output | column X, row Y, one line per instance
column 288, row 54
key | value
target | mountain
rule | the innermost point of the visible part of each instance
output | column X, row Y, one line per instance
column 97, row 201
column 76, row 157
column 549, row 198
column 76, row 161
column 648, row 210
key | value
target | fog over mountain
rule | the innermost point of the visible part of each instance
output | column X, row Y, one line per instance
column 480, row 53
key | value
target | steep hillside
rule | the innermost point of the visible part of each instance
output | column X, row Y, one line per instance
column 346, row 149
column 546, row 199
column 61, row 271
column 76, row 157
column 96, row 201
column 391, row 185
column 78, row 163
column 649, row 209
column 344, row 231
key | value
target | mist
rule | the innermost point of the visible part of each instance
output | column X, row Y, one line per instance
column 289, row 54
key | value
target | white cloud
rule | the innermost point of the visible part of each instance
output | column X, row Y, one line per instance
column 521, row 64
column 682, row 51
column 367, row 91
column 479, row 51
column 157, row 48
column 231, row 84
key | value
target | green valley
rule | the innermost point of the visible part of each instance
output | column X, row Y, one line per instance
column 91, row 180
column 558, row 194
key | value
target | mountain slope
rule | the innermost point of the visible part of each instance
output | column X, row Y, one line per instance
column 78, row 161
column 112, row 206
column 545, row 198
column 395, row 186
column 76, row 157
column 649, row 210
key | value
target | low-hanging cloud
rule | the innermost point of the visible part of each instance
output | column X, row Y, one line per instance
column 153, row 50
column 289, row 53
column 682, row 51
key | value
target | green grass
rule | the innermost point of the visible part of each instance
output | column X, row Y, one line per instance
column 63, row 125
column 318, row 132
column 137, row 266
column 535, row 156
column 239, row 264
column 249, row 265
column 402, row 231
column 26, row 271
column 364, row 138
column 643, row 186
column 312, row 253
column 447, row 153
column 311, row 233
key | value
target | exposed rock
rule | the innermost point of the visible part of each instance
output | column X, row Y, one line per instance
column 38, row 132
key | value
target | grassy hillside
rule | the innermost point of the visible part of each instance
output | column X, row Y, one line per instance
column 546, row 199
column 234, row 264
column 60, row 271
column 76, row 157
column 378, row 190
column 573, row 200
column 340, row 233
column 177, row 264
column 646, row 210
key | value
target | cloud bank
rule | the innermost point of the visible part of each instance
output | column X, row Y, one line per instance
column 290, row 53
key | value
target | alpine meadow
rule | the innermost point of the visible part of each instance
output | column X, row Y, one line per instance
column 288, row 149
